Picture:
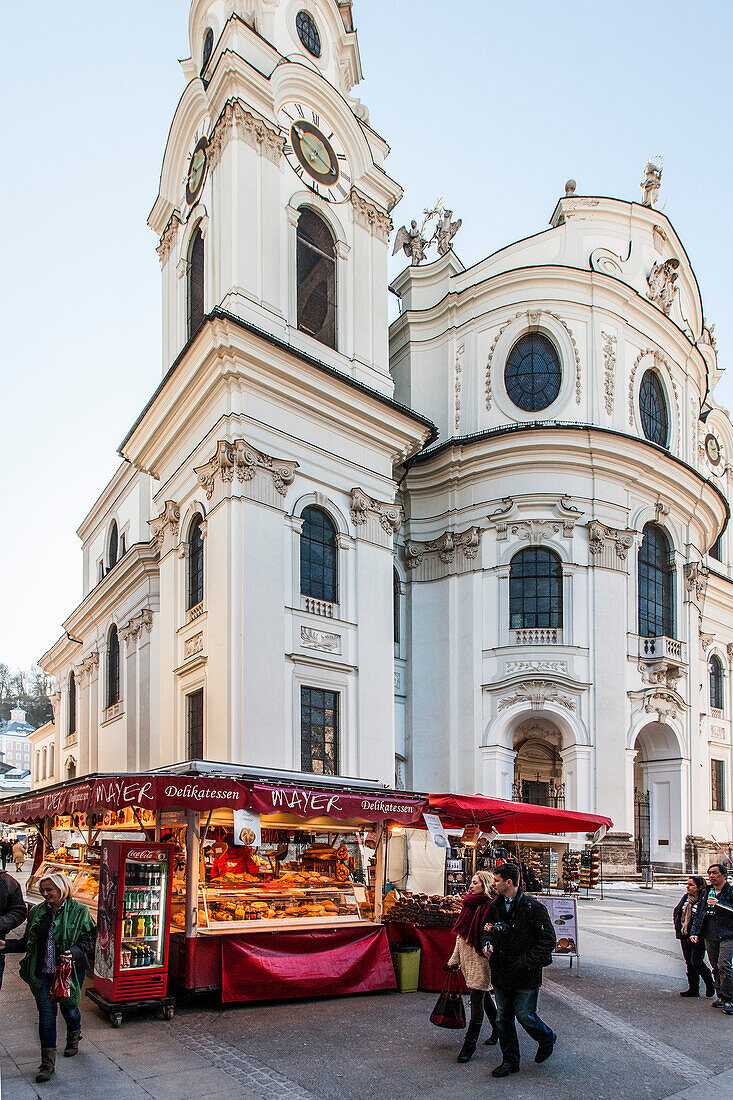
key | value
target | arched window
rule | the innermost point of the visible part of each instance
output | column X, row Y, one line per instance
column 51, row 761
column 532, row 374
column 112, row 546
column 396, row 589
column 195, row 564
column 71, row 768
column 308, row 33
column 43, row 764
column 656, row 585
column 716, row 682
column 653, row 409
column 195, row 281
column 535, row 589
column 71, row 728
column 316, row 278
column 318, row 556
column 716, row 549
column 38, row 764
column 113, row 667
column 208, row 47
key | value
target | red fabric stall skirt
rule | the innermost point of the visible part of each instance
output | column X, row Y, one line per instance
column 436, row 948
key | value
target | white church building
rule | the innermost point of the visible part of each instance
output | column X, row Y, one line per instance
column 483, row 548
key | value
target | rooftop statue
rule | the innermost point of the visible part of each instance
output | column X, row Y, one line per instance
column 445, row 231
column 652, row 182
column 415, row 241
column 412, row 242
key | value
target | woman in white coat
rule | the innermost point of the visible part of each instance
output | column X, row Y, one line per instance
column 468, row 957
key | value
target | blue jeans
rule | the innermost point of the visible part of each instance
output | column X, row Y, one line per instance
column 47, row 1013
column 522, row 1004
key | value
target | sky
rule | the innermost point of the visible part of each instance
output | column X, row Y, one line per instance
column 490, row 106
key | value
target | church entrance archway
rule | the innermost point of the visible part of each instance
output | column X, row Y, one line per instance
column 660, row 783
column 538, row 766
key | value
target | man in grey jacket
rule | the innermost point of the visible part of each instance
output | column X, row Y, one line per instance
column 12, row 910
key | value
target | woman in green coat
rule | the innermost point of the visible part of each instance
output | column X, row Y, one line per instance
column 58, row 926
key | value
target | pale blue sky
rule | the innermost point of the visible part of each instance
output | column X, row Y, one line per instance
column 491, row 106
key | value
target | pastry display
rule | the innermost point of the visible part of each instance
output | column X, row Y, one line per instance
column 428, row 910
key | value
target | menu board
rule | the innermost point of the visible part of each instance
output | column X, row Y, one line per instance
column 564, row 916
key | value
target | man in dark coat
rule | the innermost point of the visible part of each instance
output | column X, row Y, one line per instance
column 12, row 911
column 719, row 935
column 518, row 938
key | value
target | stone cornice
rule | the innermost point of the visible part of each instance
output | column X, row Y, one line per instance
column 389, row 516
column 168, row 238
column 132, row 629
column 451, row 552
column 369, row 216
column 166, row 524
column 236, row 121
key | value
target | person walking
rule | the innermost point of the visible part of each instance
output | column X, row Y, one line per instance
column 5, row 852
column 12, row 910
column 58, row 928
column 690, row 916
column 518, row 939
column 19, row 854
column 719, row 936
column 469, row 958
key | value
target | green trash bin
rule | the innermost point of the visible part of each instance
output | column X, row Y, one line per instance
column 406, row 959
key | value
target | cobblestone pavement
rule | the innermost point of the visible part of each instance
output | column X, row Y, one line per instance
column 623, row 1032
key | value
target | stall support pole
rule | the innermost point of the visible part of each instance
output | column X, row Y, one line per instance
column 380, row 871
column 192, row 889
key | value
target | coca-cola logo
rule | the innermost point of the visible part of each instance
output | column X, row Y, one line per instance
column 142, row 854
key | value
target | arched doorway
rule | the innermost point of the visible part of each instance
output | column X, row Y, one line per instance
column 538, row 766
column 660, row 772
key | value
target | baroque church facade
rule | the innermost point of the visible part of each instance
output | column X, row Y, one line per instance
column 483, row 548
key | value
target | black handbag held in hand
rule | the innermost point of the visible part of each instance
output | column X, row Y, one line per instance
column 449, row 1011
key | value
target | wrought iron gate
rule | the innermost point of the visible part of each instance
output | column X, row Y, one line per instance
column 642, row 830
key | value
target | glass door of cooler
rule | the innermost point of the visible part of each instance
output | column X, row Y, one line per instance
column 144, row 914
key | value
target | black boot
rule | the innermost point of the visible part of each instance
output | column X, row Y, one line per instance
column 48, row 1064
column 467, row 1051
column 690, row 993
column 493, row 1039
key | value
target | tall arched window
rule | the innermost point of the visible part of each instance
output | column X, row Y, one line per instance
column 195, row 281
column 71, row 727
column 71, row 768
column 318, row 556
column 195, row 564
column 51, row 761
column 112, row 546
column 113, row 667
column 716, row 682
column 316, row 278
column 44, row 764
column 535, row 589
column 656, row 585
column 208, row 47
column 653, row 409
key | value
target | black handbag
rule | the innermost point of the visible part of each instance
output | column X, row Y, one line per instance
column 449, row 1011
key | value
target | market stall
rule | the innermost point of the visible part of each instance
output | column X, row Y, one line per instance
column 479, row 834
column 274, row 890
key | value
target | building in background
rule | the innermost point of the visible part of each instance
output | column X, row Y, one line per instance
column 292, row 568
column 15, row 753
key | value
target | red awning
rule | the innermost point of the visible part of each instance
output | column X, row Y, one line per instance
column 456, row 810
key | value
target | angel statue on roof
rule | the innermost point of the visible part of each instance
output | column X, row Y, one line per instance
column 411, row 241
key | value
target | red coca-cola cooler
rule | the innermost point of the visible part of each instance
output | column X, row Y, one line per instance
column 131, row 956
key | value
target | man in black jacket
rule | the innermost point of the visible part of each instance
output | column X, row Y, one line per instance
column 12, row 911
column 518, row 938
column 719, row 935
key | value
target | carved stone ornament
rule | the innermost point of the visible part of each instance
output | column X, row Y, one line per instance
column 537, row 695
column 168, row 238
column 662, row 280
column 706, row 640
column 194, row 645
column 729, row 651
column 169, row 519
column 446, row 547
column 599, row 535
column 608, row 262
column 388, row 515
column 240, row 458
column 660, row 674
column 458, row 386
column 236, row 121
column 317, row 639
column 86, row 668
column 696, row 580
column 664, row 703
column 134, row 627
column 659, row 237
column 512, row 667
column 609, row 368
column 370, row 217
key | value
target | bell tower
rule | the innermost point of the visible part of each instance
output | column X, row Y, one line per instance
column 274, row 202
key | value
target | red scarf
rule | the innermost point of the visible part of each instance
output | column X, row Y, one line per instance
column 472, row 918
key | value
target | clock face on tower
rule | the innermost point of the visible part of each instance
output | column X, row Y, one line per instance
column 314, row 152
column 196, row 172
